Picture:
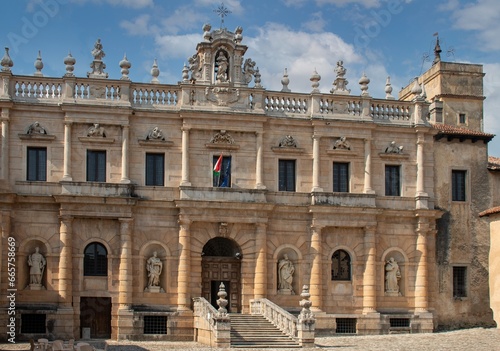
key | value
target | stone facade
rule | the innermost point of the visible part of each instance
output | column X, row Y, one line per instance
column 102, row 175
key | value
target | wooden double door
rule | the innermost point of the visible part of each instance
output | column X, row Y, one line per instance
column 95, row 314
column 226, row 270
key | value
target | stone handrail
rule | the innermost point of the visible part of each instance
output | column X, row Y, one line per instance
column 282, row 319
column 204, row 313
column 163, row 96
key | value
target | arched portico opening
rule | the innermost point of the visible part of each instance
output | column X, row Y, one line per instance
column 221, row 263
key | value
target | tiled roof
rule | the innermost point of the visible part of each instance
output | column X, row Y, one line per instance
column 493, row 163
column 490, row 211
column 459, row 132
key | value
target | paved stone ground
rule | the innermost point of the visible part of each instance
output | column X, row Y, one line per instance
column 477, row 339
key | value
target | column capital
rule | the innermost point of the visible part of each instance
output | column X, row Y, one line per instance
column 184, row 221
column 370, row 228
column 66, row 218
column 68, row 123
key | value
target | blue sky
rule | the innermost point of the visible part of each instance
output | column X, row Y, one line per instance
column 379, row 37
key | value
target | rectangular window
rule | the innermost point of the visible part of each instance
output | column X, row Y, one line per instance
column 155, row 169
column 462, row 119
column 96, row 166
column 222, row 171
column 458, row 185
column 37, row 164
column 345, row 326
column 341, row 177
column 155, row 325
column 392, row 181
column 286, row 177
column 33, row 323
column 459, row 281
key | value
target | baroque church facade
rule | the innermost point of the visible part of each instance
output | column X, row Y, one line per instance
column 122, row 202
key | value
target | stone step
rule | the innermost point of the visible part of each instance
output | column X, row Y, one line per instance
column 254, row 331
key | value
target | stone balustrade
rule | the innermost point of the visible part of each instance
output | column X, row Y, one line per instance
column 163, row 96
column 213, row 328
column 282, row 319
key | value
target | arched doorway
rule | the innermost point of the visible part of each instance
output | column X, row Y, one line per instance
column 221, row 263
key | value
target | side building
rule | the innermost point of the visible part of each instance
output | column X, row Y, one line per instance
column 125, row 201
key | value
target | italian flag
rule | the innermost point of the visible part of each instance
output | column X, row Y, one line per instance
column 218, row 166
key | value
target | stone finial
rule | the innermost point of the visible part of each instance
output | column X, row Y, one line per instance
column 388, row 89
column 185, row 73
column 125, row 68
column 423, row 94
column 256, row 79
column 38, row 65
column 237, row 35
column 221, row 301
column 6, row 62
column 416, row 89
column 285, row 81
column 315, row 78
column 69, row 61
column 306, row 313
column 155, row 72
column 363, row 83
column 437, row 51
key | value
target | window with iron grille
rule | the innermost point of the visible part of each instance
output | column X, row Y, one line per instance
column 399, row 322
column 155, row 325
column 95, row 262
column 392, row 181
column 341, row 177
column 346, row 326
column 33, row 323
column 341, row 265
column 155, row 169
column 96, row 166
column 37, row 164
column 458, row 185
column 286, row 177
column 459, row 281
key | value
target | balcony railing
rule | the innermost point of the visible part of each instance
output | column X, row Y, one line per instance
column 174, row 97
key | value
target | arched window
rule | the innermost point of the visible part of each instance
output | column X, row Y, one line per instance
column 341, row 265
column 95, row 262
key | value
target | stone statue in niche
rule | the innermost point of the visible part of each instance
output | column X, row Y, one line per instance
column 285, row 276
column 392, row 277
column 37, row 263
column 342, row 144
column 96, row 131
column 36, row 128
column 393, row 148
column 222, row 67
column 154, row 267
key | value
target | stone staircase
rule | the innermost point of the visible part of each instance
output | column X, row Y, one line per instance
column 254, row 331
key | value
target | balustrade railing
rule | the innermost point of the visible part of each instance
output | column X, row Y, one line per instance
column 205, row 312
column 146, row 95
column 282, row 319
column 33, row 88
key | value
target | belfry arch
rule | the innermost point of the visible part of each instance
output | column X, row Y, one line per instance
column 221, row 263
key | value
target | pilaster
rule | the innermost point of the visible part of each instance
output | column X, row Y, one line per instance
column 368, row 167
column 260, row 285
column 316, row 164
column 185, row 157
column 67, row 152
column 125, row 145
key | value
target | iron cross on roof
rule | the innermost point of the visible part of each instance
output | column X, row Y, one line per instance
column 222, row 11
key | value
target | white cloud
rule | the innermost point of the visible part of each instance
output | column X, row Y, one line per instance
column 177, row 46
column 183, row 18
column 310, row 51
column 483, row 16
column 316, row 24
column 139, row 26
column 135, row 4
column 364, row 3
